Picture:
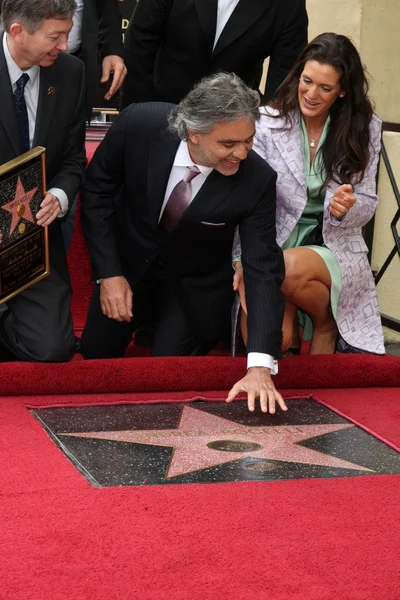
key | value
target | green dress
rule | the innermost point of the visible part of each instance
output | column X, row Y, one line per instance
column 314, row 177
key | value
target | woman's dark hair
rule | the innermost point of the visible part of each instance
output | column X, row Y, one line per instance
column 345, row 152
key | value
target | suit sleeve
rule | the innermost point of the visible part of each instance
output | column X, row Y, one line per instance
column 264, row 271
column 110, row 36
column 104, row 181
column 142, row 42
column 290, row 42
column 72, row 164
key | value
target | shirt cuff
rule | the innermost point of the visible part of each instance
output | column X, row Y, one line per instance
column 258, row 359
column 63, row 200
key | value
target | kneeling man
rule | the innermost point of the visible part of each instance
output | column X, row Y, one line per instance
column 163, row 195
column 42, row 103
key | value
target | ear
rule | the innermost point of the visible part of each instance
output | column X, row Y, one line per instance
column 193, row 136
column 17, row 31
column 342, row 94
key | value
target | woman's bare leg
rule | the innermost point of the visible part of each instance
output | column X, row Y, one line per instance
column 290, row 335
column 307, row 285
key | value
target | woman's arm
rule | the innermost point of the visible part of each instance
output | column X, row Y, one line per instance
column 364, row 192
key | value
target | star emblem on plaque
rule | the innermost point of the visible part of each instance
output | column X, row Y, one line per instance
column 204, row 442
column 24, row 255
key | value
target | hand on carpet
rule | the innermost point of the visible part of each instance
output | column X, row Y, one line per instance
column 258, row 384
column 116, row 299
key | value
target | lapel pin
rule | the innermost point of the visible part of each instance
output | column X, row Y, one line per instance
column 51, row 91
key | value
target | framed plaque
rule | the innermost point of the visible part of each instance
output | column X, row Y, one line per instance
column 24, row 247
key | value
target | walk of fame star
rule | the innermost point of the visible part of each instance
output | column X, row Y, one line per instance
column 19, row 207
column 204, row 440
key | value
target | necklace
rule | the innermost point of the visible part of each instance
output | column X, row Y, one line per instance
column 313, row 140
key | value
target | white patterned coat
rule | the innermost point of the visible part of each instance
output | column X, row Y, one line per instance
column 358, row 318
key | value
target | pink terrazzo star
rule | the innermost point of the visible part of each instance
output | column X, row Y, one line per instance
column 19, row 207
column 198, row 429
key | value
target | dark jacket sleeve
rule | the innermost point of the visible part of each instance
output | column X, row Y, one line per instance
column 264, row 272
column 289, row 44
column 142, row 42
column 72, row 162
column 110, row 35
column 104, row 181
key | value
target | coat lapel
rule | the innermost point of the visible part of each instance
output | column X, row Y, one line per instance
column 213, row 191
column 289, row 143
column 161, row 160
column 7, row 113
column 207, row 13
column 48, row 93
column 245, row 14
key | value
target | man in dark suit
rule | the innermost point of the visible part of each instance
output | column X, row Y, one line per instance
column 97, row 31
column 159, row 209
column 171, row 44
column 42, row 100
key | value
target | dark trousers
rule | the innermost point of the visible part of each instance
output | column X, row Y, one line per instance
column 154, row 301
column 36, row 325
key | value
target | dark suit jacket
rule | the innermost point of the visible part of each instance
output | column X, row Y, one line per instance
column 60, row 128
column 101, row 35
column 121, row 203
column 169, row 44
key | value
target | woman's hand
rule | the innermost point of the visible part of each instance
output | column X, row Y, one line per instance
column 238, row 284
column 342, row 201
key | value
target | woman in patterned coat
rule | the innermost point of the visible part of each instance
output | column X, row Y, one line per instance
column 323, row 140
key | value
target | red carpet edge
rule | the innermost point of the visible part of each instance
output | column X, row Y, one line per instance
column 175, row 374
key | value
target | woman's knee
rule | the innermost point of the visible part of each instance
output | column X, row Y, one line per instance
column 295, row 273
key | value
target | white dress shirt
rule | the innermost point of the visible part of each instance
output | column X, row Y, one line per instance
column 75, row 35
column 225, row 9
column 181, row 161
column 31, row 93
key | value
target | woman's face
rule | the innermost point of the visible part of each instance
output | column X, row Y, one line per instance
column 319, row 86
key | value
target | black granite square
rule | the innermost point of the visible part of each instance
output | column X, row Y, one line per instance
column 204, row 442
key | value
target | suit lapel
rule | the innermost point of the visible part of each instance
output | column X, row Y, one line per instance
column 161, row 160
column 289, row 144
column 207, row 13
column 48, row 92
column 245, row 14
column 213, row 191
column 7, row 113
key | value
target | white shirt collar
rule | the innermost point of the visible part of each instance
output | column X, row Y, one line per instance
column 13, row 69
column 182, row 159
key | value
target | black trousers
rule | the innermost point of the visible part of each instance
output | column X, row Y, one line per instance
column 154, row 301
column 36, row 325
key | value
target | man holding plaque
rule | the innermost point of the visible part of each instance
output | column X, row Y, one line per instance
column 42, row 103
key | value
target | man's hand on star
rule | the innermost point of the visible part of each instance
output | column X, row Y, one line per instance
column 116, row 299
column 258, row 384
column 113, row 64
column 49, row 210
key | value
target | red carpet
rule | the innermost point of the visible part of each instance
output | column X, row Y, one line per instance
column 308, row 540
column 321, row 539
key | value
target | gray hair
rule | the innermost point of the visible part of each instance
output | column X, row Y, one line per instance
column 32, row 13
column 219, row 98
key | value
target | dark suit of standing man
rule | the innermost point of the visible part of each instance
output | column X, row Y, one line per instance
column 98, row 33
column 183, row 272
column 170, row 44
column 37, row 325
